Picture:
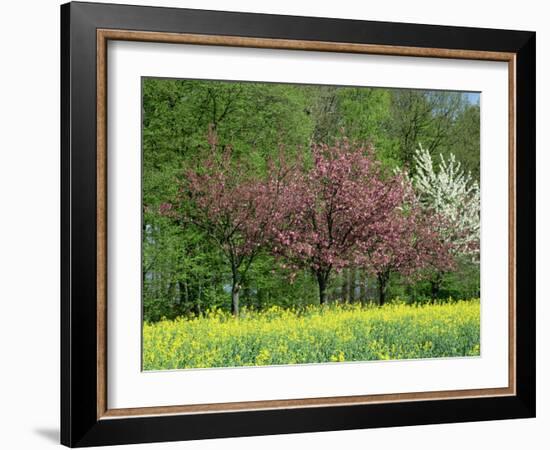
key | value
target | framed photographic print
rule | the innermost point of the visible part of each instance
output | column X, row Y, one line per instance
column 276, row 224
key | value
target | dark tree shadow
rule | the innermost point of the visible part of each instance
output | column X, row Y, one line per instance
column 50, row 434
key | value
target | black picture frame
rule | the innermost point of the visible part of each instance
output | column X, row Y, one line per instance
column 80, row 425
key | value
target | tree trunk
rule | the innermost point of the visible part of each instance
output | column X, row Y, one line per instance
column 382, row 285
column 197, row 306
column 381, row 294
column 322, row 281
column 346, row 275
column 235, row 288
column 344, row 287
column 186, row 287
column 435, row 284
column 181, row 293
column 235, row 299
column 362, row 287
column 182, row 303
column 355, row 276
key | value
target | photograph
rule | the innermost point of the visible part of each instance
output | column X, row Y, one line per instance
column 303, row 224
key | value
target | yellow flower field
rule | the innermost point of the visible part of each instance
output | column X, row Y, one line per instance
column 334, row 333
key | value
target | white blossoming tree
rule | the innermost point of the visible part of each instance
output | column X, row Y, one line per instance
column 451, row 194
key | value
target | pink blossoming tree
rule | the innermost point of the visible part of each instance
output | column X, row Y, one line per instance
column 235, row 210
column 407, row 243
column 335, row 209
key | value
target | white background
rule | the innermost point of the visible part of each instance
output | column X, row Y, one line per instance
column 29, row 189
column 128, row 387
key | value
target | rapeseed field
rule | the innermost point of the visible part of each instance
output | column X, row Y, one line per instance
column 315, row 334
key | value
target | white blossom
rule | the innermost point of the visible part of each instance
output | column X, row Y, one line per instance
column 451, row 193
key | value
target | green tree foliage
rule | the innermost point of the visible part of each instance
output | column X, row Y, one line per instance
column 183, row 272
column 465, row 142
column 430, row 117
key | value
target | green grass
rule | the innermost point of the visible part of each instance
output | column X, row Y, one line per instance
column 334, row 333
